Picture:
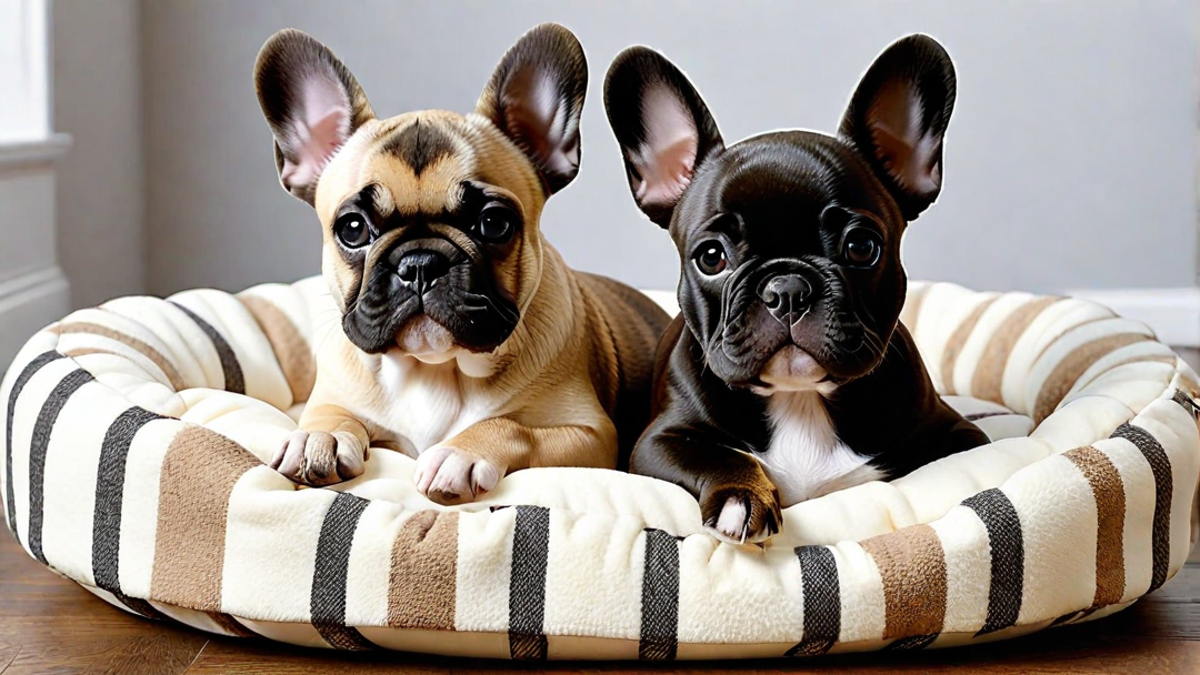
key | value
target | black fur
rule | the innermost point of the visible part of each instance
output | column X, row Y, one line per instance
column 781, row 205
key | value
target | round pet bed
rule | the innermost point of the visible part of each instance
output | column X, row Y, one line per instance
column 136, row 432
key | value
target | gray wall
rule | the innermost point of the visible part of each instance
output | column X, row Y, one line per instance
column 1070, row 160
column 100, row 196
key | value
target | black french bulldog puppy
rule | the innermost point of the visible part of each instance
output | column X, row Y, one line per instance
column 787, row 374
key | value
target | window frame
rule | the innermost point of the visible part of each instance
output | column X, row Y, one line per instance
column 25, row 85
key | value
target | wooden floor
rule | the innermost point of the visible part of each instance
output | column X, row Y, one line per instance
column 50, row 626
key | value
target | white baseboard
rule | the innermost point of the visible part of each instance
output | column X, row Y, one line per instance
column 28, row 303
column 1172, row 313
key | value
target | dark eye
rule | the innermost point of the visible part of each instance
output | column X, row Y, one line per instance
column 861, row 247
column 710, row 258
column 496, row 224
column 352, row 230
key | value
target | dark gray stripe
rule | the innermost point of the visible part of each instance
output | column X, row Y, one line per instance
column 231, row 625
column 985, row 415
column 822, row 601
column 1091, row 610
column 1065, row 618
column 1007, row 544
column 110, row 491
column 328, row 601
column 234, row 380
column 911, row 644
column 1160, row 532
column 527, row 584
column 660, row 597
column 27, row 374
column 37, row 452
column 139, row 606
column 1186, row 401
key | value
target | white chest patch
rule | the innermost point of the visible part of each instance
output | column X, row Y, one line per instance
column 806, row 459
column 425, row 404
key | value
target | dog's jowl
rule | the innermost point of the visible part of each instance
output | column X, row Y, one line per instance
column 455, row 332
column 787, row 375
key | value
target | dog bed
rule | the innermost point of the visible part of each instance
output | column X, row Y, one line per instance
column 136, row 432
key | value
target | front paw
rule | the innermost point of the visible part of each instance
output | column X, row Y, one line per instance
column 450, row 476
column 319, row 458
column 742, row 514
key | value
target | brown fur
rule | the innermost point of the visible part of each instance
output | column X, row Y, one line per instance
column 570, row 385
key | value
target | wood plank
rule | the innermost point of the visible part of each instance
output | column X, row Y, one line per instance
column 8, row 654
column 50, row 625
column 1135, row 656
column 1050, row 654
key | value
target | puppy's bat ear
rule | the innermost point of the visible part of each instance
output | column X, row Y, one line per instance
column 312, row 104
column 897, row 119
column 536, row 97
column 662, row 125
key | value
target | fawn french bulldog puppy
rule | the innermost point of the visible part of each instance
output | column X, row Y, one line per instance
column 464, row 341
column 787, row 374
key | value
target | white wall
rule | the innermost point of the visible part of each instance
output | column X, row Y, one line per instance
column 1070, row 160
column 97, row 99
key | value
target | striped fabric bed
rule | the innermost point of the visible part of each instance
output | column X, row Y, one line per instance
column 135, row 436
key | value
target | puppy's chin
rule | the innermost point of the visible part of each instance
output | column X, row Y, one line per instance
column 792, row 369
column 426, row 340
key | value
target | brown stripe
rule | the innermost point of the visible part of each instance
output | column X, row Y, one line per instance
column 1160, row 532
column 989, row 373
column 198, row 474
column 84, row 351
column 88, row 351
column 1109, row 491
column 292, row 351
column 1147, row 358
column 422, row 590
column 1068, row 370
column 146, row 350
column 1169, row 359
column 1190, row 386
column 955, row 344
column 911, row 311
column 913, row 568
column 231, row 625
column 1070, row 329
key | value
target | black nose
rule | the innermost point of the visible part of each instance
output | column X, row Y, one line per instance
column 786, row 297
column 422, row 268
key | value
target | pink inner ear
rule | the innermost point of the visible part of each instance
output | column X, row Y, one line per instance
column 906, row 151
column 554, row 114
column 667, row 158
column 542, row 121
column 321, row 127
